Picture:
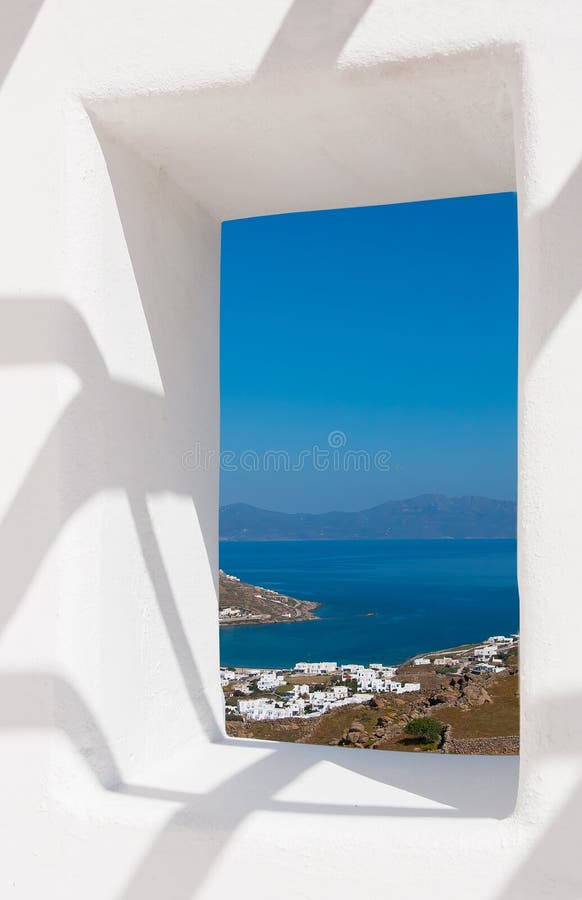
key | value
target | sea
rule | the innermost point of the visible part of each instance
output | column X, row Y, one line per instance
column 382, row 601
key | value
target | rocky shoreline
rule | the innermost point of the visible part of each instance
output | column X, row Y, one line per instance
column 240, row 603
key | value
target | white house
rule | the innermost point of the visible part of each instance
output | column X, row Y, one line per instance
column 422, row 661
column 408, row 687
column 371, row 680
column 364, row 676
column 380, row 669
column 487, row 652
column 380, row 685
column 268, row 681
column 321, row 701
column 226, row 575
column 351, row 671
column 273, row 712
column 230, row 612
column 316, row 668
column 336, row 694
column 445, row 661
column 249, row 707
column 389, row 671
column 262, row 708
column 321, row 696
column 484, row 668
column 301, row 690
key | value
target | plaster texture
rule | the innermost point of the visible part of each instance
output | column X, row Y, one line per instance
column 129, row 131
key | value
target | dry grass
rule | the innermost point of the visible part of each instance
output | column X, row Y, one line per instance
column 406, row 744
column 332, row 725
column 282, row 730
column 321, row 730
column 309, row 679
column 500, row 718
column 497, row 719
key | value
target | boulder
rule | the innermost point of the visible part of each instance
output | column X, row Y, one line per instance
column 474, row 694
column 355, row 736
column 442, row 696
column 356, row 726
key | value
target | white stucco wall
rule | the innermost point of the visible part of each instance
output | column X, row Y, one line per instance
column 129, row 130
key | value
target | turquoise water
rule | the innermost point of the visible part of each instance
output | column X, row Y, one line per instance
column 425, row 595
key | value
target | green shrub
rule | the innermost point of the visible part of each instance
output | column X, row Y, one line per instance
column 427, row 730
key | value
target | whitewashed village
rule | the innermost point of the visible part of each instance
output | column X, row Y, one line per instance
column 311, row 689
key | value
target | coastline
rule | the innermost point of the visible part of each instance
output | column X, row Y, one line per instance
column 424, row 594
column 241, row 603
column 339, row 540
column 260, row 623
column 470, row 700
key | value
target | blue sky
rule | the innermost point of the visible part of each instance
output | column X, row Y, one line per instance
column 395, row 325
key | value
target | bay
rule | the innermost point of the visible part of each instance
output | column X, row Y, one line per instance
column 382, row 601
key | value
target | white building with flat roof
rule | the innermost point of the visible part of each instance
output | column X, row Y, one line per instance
column 316, row 668
column 487, row 668
column 389, row 671
column 262, row 708
column 300, row 690
column 408, row 687
column 230, row 612
column 268, row 681
column 485, row 652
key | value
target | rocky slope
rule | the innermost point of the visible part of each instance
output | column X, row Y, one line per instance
column 246, row 604
column 483, row 708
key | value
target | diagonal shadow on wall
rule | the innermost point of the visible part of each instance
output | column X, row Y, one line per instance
column 32, row 331
column 563, row 265
column 312, row 35
column 15, row 23
column 108, row 423
column 552, row 867
column 230, row 804
column 110, row 413
column 184, row 852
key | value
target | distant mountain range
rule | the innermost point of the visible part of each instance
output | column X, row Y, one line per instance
column 428, row 517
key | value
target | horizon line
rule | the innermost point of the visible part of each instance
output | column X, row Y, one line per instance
column 368, row 508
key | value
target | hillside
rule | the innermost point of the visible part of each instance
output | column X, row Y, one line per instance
column 489, row 727
column 246, row 604
column 427, row 517
column 478, row 713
